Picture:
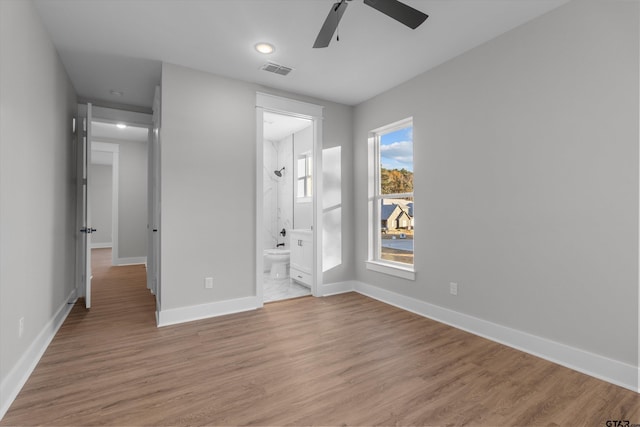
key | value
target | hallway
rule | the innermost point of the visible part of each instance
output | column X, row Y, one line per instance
column 76, row 373
column 116, row 288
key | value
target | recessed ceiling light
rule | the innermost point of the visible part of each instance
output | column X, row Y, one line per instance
column 121, row 126
column 116, row 92
column 265, row 48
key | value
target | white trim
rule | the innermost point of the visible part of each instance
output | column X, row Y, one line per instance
column 376, row 196
column 328, row 289
column 204, row 311
column 19, row 374
column 392, row 127
column 592, row 364
column 116, row 115
column 287, row 106
column 318, row 214
column 638, row 246
column 391, row 269
column 105, row 140
column 98, row 245
column 259, row 250
column 131, row 260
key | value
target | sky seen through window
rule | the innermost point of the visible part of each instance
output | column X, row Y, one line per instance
column 396, row 149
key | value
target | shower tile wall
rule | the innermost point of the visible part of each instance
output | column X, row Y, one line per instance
column 270, row 194
column 285, row 189
column 277, row 192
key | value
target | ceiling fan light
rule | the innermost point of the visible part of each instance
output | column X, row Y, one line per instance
column 265, row 48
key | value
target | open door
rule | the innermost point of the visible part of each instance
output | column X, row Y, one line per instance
column 84, row 210
column 153, row 200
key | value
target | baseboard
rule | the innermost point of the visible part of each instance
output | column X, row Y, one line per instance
column 606, row 369
column 327, row 289
column 204, row 311
column 101, row 245
column 131, row 260
column 18, row 376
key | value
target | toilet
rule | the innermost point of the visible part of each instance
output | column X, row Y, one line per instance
column 279, row 259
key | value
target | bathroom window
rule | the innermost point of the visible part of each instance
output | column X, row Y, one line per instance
column 391, row 189
column 305, row 182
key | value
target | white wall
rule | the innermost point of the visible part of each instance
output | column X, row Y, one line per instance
column 100, row 193
column 132, row 200
column 208, row 180
column 207, row 189
column 37, row 192
column 339, row 197
column 526, row 172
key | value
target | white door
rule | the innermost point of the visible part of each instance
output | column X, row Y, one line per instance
column 84, row 257
column 153, row 206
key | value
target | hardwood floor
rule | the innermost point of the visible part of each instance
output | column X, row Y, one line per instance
column 340, row 360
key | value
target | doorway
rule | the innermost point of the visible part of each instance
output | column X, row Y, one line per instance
column 118, row 190
column 116, row 186
column 288, row 220
column 287, row 202
column 104, row 197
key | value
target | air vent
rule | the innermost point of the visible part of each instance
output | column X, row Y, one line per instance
column 275, row 68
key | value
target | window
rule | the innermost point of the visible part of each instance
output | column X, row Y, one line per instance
column 305, row 183
column 391, row 191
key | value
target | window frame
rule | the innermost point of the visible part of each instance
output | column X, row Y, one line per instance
column 306, row 178
column 374, row 261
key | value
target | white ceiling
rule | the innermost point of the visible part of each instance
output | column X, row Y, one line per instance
column 119, row 45
column 278, row 126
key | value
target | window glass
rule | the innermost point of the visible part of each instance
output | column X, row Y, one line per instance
column 394, row 205
column 305, row 183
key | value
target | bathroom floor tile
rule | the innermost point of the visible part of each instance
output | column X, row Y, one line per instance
column 276, row 290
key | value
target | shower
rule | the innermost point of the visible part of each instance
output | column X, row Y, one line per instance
column 279, row 173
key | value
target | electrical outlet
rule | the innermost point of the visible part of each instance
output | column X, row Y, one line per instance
column 20, row 327
column 453, row 288
column 208, row 282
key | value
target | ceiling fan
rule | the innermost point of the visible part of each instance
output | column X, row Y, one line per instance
column 401, row 12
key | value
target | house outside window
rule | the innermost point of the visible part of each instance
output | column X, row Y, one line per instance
column 391, row 194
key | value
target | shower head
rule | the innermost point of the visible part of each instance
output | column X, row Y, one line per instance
column 279, row 173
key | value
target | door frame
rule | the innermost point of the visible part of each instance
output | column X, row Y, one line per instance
column 83, row 238
column 107, row 115
column 153, row 202
column 289, row 107
column 115, row 116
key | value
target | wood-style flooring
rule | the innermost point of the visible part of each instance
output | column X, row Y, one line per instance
column 340, row 360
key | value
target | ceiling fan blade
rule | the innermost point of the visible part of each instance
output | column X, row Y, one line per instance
column 401, row 12
column 330, row 24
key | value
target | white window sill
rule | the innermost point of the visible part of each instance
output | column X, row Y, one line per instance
column 391, row 269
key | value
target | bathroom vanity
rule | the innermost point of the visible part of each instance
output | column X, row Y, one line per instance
column 301, row 244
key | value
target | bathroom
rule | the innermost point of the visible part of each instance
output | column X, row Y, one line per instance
column 287, row 204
